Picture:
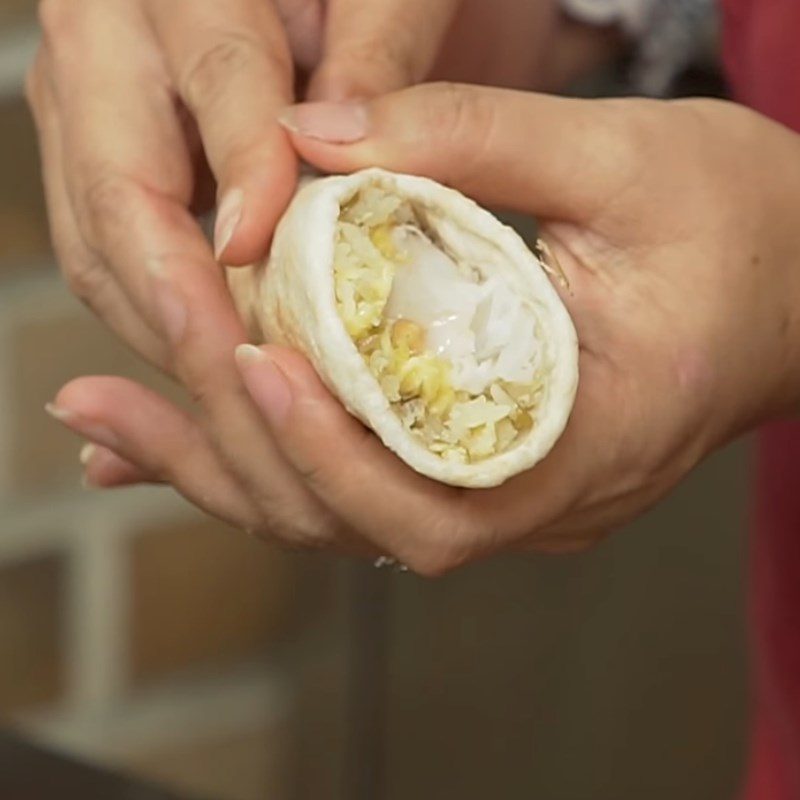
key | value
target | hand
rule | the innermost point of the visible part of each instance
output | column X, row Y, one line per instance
column 141, row 107
column 675, row 225
column 134, row 101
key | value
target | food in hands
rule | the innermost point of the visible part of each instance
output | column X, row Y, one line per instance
column 428, row 318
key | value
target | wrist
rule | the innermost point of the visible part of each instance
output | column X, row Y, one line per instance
column 776, row 261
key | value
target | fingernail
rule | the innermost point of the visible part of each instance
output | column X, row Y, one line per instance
column 63, row 415
column 171, row 308
column 337, row 123
column 265, row 381
column 229, row 215
column 99, row 434
column 87, row 451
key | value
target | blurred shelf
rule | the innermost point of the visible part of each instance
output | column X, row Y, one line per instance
column 17, row 49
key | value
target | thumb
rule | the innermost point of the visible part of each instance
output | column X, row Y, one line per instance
column 376, row 47
column 554, row 157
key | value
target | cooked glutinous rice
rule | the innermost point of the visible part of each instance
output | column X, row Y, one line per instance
column 453, row 347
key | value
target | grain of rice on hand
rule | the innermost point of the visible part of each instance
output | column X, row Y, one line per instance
column 430, row 320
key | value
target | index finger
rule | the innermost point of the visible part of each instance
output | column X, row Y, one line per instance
column 380, row 46
column 231, row 66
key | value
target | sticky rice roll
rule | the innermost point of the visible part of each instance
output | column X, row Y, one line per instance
column 427, row 317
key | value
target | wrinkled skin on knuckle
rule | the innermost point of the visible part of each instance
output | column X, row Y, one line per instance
column 106, row 206
column 464, row 118
column 389, row 65
column 205, row 79
column 84, row 275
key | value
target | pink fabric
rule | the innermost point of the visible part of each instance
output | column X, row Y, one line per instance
column 762, row 54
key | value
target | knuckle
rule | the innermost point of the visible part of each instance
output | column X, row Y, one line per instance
column 106, row 201
column 460, row 108
column 206, row 77
column 465, row 119
column 313, row 475
column 105, row 192
column 83, row 275
column 202, row 77
column 446, row 544
column 389, row 65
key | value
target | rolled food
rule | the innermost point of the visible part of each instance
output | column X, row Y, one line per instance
column 428, row 318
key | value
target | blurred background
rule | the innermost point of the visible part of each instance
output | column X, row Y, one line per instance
column 140, row 635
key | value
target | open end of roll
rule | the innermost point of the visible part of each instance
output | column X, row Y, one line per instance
column 452, row 345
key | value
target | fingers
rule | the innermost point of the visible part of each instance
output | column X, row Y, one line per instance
column 126, row 164
column 203, row 360
column 232, row 67
column 376, row 47
column 121, row 416
column 554, row 157
column 84, row 272
column 303, row 22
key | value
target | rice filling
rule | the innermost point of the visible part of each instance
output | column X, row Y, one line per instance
column 453, row 347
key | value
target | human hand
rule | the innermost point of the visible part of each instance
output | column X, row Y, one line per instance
column 138, row 104
column 683, row 287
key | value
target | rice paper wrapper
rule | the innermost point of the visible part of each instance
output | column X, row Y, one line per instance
column 289, row 299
